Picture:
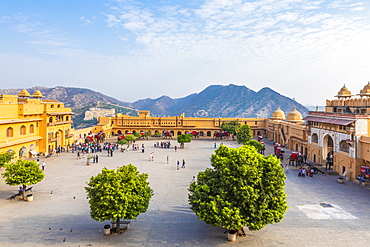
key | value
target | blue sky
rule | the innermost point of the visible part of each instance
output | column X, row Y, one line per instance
column 304, row 49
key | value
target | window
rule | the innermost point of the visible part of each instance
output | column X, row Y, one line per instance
column 9, row 132
column 343, row 146
column 67, row 118
column 52, row 106
column 23, row 130
column 50, row 119
column 315, row 138
column 32, row 128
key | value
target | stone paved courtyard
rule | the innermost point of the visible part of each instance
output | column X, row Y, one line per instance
column 60, row 205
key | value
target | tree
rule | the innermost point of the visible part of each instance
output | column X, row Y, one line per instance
column 184, row 138
column 137, row 134
column 117, row 194
column 23, row 172
column 147, row 134
column 244, row 188
column 130, row 138
column 243, row 133
column 230, row 127
column 122, row 142
column 256, row 144
column 6, row 157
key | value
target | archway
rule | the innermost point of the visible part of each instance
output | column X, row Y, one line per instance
column 23, row 152
column 328, row 144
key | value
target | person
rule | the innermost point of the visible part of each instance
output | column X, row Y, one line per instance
column 360, row 179
column 286, row 168
column 96, row 158
column 20, row 189
column 43, row 165
column 183, row 164
column 193, row 180
column 78, row 155
column 214, row 145
column 175, row 148
column 303, row 172
column 168, row 158
column 178, row 165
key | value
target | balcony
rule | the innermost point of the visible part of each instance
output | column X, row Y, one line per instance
column 59, row 123
column 68, row 136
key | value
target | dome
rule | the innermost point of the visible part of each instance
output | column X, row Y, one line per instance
column 278, row 114
column 37, row 94
column 366, row 90
column 24, row 93
column 344, row 93
column 294, row 116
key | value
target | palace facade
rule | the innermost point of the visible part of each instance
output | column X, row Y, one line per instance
column 29, row 125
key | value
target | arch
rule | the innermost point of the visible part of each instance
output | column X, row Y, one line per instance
column 23, row 130
column 209, row 133
column 305, row 151
column 32, row 128
column 23, row 152
column 315, row 138
column 328, row 144
column 58, row 136
column 9, row 132
column 302, row 150
column 119, row 132
column 314, row 158
column 296, row 147
column 179, row 133
column 172, row 133
column 201, row 133
column 52, row 106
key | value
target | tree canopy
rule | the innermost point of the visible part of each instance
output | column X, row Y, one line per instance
column 184, row 138
column 117, row 194
column 243, row 133
column 23, row 172
column 6, row 157
column 244, row 188
column 230, row 127
column 256, row 144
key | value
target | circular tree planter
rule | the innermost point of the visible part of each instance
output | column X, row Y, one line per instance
column 107, row 230
column 231, row 235
column 29, row 198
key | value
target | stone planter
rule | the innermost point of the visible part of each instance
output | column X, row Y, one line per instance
column 231, row 235
column 340, row 180
column 29, row 198
column 107, row 230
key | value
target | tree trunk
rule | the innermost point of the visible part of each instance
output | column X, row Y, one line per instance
column 24, row 192
column 118, row 226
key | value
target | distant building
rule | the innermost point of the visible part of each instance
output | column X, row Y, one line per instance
column 29, row 125
column 98, row 112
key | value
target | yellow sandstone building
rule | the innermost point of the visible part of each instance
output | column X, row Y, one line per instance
column 29, row 125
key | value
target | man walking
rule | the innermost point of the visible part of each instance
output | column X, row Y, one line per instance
column 43, row 165
column 183, row 164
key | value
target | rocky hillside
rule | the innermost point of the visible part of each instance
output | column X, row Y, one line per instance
column 80, row 100
column 214, row 101
column 222, row 101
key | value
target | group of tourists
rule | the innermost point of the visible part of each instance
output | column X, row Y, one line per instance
column 166, row 144
column 303, row 172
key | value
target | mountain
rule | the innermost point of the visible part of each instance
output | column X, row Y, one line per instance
column 214, row 101
column 222, row 101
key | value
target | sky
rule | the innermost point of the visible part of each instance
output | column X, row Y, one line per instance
column 130, row 50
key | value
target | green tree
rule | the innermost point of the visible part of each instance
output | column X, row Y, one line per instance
column 244, row 188
column 117, row 194
column 122, row 142
column 243, row 133
column 230, row 127
column 6, row 157
column 130, row 138
column 184, row 138
column 137, row 134
column 23, row 172
column 147, row 134
column 255, row 144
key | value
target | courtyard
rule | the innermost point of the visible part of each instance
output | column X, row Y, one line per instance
column 321, row 211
